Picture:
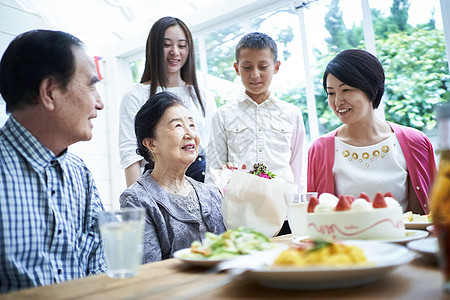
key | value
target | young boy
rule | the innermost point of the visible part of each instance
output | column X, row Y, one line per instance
column 258, row 128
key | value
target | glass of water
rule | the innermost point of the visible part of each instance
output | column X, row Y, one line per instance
column 297, row 211
column 297, row 219
column 122, row 234
column 307, row 196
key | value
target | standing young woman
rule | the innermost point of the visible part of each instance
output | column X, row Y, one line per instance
column 169, row 66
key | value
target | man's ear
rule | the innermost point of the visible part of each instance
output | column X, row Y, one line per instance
column 149, row 143
column 236, row 67
column 47, row 93
column 277, row 67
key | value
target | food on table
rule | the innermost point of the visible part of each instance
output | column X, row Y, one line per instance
column 229, row 244
column 322, row 253
column 332, row 218
column 416, row 218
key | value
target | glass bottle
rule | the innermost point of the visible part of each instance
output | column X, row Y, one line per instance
column 440, row 194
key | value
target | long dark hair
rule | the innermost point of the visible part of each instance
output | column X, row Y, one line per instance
column 155, row 69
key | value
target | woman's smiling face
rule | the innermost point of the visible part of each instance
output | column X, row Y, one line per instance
column 176, row 49
column 176, row 138
column 350, row 105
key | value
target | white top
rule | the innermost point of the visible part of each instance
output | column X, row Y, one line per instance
column 371, row 169
column 133, row 100
column 271, row 133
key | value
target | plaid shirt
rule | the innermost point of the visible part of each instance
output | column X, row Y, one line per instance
column 48, row 214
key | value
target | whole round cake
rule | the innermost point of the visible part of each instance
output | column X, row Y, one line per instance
column 345, row 217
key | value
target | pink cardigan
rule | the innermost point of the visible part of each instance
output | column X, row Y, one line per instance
column 416, row 148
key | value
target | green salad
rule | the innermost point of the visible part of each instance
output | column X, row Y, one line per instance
column 229, row 244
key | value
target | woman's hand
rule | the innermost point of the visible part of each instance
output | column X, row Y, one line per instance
column 225, row 175
column 232, row 166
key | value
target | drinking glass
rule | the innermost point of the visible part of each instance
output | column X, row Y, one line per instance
column 297, row 219
column 297, row 210
column 305, row 197
column 122, row 235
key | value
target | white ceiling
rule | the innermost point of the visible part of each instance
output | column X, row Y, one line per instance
column 100, row 23
column 107, row 21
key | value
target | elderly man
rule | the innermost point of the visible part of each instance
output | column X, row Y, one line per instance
column 48, row 200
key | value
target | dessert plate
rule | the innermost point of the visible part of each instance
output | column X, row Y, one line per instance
column 427, row 247
column 385, row 257
column 410, row 235
column 416, row 225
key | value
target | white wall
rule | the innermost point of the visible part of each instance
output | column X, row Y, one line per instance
column 96, row 153
column 13, row 21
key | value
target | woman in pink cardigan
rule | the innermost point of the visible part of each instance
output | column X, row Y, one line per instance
column 366, row 154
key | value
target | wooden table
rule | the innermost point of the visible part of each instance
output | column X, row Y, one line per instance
column 172, row 279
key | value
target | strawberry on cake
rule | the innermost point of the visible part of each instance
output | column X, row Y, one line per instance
column 345, row 217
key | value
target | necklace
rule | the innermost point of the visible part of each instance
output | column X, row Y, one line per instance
column 170, row 189
column 365, row 155
column 173, row 190
column 368, row 156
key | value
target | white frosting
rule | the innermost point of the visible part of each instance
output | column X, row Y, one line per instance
column 324, row 207
column 391, row 202
column 361, row 204
column 328, row 197
column 327, row 203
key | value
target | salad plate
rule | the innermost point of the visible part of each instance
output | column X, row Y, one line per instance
column 183, row 255
column 383, row 258
column 218, row 248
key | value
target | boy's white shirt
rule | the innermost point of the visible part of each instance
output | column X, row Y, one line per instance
column 272, row 133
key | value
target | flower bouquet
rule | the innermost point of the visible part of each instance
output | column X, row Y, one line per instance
column 256, row 202
column 260, row 170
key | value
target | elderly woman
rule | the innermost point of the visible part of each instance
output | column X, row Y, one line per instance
column 179, row 209
column 367, row 154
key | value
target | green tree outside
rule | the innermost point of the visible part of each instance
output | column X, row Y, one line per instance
column 417, row 76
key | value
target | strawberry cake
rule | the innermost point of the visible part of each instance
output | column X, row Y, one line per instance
column 345, row 217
